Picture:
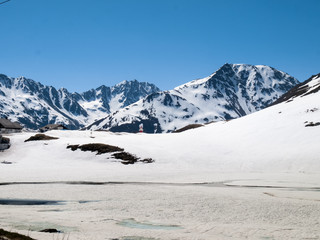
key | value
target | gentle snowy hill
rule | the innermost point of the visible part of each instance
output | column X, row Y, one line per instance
column 35, row 105
column 231, row 92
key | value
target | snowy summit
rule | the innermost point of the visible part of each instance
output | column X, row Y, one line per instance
column 233, row 91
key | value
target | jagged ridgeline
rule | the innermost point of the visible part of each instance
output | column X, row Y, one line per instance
column 232, row 91
column 35, row 105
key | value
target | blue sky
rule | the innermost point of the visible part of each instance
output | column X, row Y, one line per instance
column 81, row 44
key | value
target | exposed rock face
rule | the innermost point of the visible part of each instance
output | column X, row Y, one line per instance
column 312, row 85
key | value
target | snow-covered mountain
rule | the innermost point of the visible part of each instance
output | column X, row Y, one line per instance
column 35, row 105
column 231, row 92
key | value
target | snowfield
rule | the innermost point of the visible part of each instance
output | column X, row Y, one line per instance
column 256, row 177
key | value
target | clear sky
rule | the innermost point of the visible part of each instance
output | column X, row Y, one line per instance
column 82, row 44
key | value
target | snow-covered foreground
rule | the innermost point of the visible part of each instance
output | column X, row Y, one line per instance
column 270, row 148
column 163, row 211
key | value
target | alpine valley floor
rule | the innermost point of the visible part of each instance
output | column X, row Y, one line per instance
column 256, row 177
column 162, row 211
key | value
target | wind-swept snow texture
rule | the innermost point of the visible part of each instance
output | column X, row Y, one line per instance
column 233, row 91
column 35, row 105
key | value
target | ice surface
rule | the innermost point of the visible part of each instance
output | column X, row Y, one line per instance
column 163, row 212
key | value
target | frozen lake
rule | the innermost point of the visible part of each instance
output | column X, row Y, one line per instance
column 132, row 211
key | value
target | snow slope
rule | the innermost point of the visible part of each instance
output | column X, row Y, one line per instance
column 231, row 92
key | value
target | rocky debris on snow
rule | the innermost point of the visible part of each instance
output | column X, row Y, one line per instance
column 118, row 153
column 188, row 127
column 126, row 158
column 100, row 148
column 312, row 124
column 312, row 110
column 6, row 162
column 39, row 137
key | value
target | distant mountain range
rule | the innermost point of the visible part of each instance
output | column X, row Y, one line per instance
column 35, row 105
column 232, row 91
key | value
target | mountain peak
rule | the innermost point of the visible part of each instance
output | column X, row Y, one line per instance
column 124, row 82
column 35, row 105
column 234, row 90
